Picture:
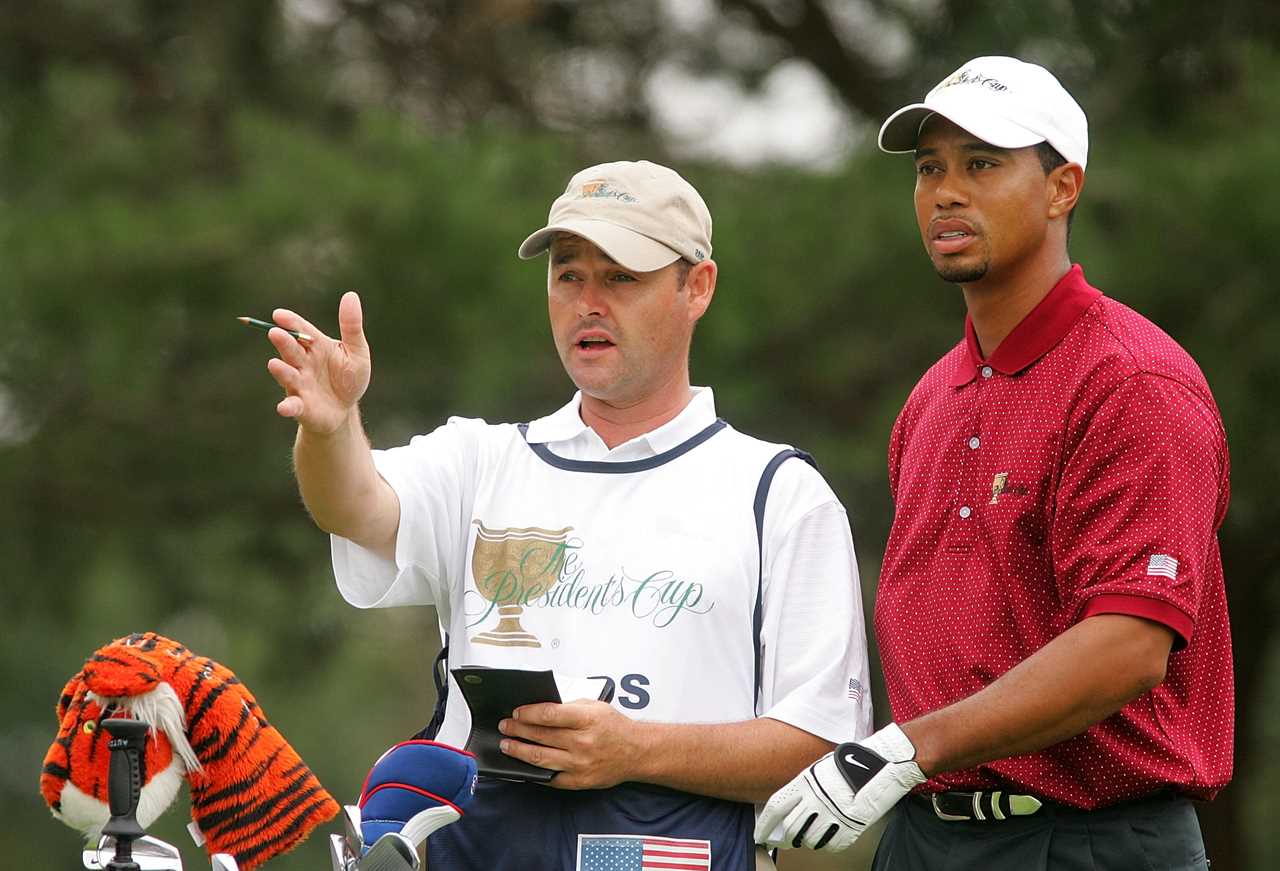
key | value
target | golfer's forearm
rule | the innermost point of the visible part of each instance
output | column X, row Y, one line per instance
column 746, row 761
column 1080, row 678
column 343, row 491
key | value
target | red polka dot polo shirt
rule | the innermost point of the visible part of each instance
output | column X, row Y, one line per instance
column 1081, row 470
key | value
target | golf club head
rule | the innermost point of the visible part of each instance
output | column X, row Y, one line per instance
column 351, row 820
column 423, row 823
column 391, row 852
column 340, row 854
column 150, row 854
column 224, row 862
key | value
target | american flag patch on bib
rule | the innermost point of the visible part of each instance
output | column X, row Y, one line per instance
column 642, row 853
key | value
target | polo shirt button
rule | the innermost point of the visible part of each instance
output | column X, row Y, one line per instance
column 974, row 442
column 986, row 371
column 965, row 512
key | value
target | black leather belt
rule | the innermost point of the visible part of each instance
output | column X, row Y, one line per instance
column 992, row 805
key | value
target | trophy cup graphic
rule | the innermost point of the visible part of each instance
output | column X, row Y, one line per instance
column 506, row 564
column 998, row 484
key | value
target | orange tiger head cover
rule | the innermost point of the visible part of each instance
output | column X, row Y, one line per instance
column 251, row 795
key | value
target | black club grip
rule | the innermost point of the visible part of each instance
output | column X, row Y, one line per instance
column 124, row 779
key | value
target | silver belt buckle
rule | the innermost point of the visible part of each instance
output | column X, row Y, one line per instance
column 940, row 813
column 1019, row 806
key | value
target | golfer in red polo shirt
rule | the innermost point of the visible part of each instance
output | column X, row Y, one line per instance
column 1051, row 613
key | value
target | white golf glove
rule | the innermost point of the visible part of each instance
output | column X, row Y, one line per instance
column 830, row 803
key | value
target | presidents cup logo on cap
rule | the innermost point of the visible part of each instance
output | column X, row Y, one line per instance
column 968, row 77
column 600, row 188
column 1002, row 101
column 643, row 215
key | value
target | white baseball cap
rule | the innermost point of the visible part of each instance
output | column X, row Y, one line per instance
column 1001, row 100
column 643, row 215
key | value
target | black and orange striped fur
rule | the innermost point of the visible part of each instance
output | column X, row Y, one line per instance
column 251, row 794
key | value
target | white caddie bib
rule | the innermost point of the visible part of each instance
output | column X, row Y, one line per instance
column 644, row 573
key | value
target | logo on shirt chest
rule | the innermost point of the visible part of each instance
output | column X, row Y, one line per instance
column 1001, row 486
column 516, row 568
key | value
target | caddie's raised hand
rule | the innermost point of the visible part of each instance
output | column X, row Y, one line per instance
column 830, row 803
column 323, row 378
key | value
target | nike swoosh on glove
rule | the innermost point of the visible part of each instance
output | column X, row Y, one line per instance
column 830, row 803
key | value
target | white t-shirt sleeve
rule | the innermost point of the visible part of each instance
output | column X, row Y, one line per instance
column 815, row 674
column 434, row 478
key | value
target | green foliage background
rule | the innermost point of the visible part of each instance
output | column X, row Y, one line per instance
column 146, row 476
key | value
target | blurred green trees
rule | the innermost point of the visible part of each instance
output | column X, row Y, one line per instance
column 167, row 167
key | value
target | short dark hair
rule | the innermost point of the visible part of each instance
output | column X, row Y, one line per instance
column 1049, row 156
column 682, row 272
column 1051, row 159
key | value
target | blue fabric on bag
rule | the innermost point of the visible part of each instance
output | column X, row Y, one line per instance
column 412, row 777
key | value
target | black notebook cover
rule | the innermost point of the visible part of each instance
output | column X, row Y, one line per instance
column 492, row 694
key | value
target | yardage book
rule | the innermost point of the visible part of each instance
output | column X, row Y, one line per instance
column 493, row 693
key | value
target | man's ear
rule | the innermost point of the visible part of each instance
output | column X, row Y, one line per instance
column 1063, row 186
column 700, row 284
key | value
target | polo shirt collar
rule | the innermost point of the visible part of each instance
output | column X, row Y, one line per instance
column 1035, row 335
column 566, row 425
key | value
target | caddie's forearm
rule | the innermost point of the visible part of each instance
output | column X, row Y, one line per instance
column 746, row 761
column 1081, row 677
column 342, row 489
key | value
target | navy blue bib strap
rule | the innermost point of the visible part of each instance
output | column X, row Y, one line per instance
column 440, row 676
column 762, row 496
column 621, row 468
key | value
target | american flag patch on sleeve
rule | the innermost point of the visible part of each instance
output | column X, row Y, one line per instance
column 642, row 853
column 1163, row 565
column 855, row 689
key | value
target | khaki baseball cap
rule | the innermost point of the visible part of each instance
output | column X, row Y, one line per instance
column 643, row 215
column 1001, row 100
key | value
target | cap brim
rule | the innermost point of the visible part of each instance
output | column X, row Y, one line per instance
column 899, row 134
column 631, row 249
